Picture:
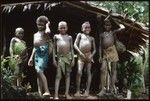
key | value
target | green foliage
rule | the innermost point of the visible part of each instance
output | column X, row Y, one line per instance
column 8, row 90
column 138, row 10
column 19, row 48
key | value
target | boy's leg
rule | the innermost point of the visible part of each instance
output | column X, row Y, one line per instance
column 20, row 72
column 39, row 84
column 67, row 85
column 89, row 79
column 113, row 76
column 103, row 78
column 79, row 74
column 57, row 81
column 44, row 82
column 16, row 76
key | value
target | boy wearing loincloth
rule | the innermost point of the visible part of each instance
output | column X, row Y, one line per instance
column 40, row 53
column 108, row 55
column 64, row 53
column 85, row 46
column 18, row 53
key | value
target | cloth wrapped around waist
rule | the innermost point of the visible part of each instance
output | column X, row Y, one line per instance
column 64, row 61
column 41, row 57
column 110, row 54
column 86, row 58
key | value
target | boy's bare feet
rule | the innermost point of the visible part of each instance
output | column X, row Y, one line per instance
column 56, row 97
column 77, row 94
column 68, row 96
column 46, row 94
column 101, row 93
column 40, row 94
column 86, row 94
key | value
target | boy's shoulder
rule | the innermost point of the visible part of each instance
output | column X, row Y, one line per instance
column 92, row 37
column 80, row 33
column 15, row 39
column 56, row 35
column 35, row 33
column 70, row 36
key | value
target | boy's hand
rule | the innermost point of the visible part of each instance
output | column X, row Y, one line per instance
column 18, row 58
column 82, row 55
column 90, row 58
column 48, row 23
column 30, row 62
column 55, row 64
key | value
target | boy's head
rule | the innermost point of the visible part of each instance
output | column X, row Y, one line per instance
column 41, row 22
column 19, row 32
column 86, row 27
column 107, row 25
column 62, row 27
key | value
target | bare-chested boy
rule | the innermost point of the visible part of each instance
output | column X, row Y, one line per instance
column 40, row 53
column 108, row 54
column 18, row 52
column 85, row 46
column 63, row 50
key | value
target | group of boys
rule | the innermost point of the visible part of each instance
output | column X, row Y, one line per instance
column 63, row 55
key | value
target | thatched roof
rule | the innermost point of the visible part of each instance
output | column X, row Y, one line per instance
column 135, row 34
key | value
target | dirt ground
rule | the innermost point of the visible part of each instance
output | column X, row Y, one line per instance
column 35, row 95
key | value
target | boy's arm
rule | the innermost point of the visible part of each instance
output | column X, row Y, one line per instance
column 72, row 51
column 47, row 30
column 11, row 46
column 30, row 62
column 122, row 27
column 33, row 51
column 94, row 47
column 77, row 40
column 54, row 49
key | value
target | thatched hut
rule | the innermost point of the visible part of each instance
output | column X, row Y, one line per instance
column 24, row 14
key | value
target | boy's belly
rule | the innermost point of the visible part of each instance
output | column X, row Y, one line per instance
column 63, row 48
column 85, row 46
column 107, row 42
column 39, row 42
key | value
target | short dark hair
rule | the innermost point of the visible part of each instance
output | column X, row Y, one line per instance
column 42, row 19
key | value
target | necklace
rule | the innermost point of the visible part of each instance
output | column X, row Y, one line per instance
column 106, row 34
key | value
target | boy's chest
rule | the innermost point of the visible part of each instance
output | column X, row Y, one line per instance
column 107, row 34
column 85, row 38
column 63, row 40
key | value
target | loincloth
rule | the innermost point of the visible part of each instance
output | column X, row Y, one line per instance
column 110, row 54
column 86, row 58
column 64, row 61
column 41, row 57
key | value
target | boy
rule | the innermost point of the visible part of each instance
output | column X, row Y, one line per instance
column 63, row 49
column 85, row 46
column 40, row 53
column 108, row 55
column 18, row 52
